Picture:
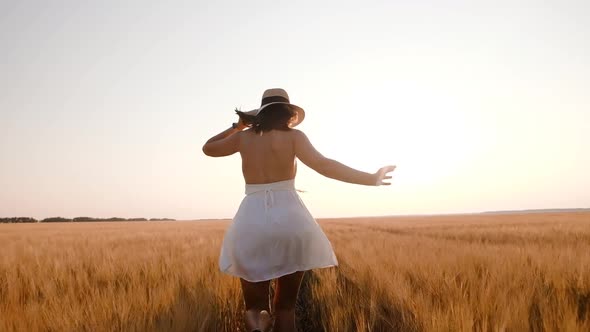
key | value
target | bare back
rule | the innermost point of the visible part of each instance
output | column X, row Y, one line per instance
column 269, row 157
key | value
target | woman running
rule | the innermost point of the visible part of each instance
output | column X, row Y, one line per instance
column 273, row 235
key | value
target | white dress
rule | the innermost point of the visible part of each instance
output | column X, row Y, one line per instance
column 272, row 235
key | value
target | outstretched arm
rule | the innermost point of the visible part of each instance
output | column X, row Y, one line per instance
column 305, row 151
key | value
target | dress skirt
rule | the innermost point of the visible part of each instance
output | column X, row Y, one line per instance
column 272, row 235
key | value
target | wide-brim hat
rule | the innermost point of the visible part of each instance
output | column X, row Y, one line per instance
column 278, row 96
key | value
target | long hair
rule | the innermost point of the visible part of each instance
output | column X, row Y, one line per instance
column 276, row 116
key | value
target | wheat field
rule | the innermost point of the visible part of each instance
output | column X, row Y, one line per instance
column 514, row 272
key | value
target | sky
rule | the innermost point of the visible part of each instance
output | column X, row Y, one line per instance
column 105, row 105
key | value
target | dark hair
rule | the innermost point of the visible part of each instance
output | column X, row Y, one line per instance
column 276, row 116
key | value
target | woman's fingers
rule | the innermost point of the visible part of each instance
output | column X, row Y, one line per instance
column 389, row 168
column 382, row 175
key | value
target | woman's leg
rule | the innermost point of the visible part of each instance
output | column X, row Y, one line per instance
column 287, row 288
column 256, row 299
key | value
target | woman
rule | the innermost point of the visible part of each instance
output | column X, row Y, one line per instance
column 273, row 235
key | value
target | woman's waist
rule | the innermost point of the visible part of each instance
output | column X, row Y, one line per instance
column 285, row 185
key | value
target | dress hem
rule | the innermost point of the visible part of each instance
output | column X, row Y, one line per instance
column 280, row 274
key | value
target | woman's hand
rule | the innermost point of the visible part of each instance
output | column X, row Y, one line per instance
column 241, row 125
column 382, row 174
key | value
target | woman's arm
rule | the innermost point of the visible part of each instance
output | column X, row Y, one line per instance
column 305, row 151
column 225, row 143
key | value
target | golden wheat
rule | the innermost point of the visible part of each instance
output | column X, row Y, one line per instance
column 518, row 272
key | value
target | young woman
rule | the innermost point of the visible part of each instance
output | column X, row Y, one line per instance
column 273, row 235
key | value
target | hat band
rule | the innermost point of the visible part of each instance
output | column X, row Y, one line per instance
column 273, row 99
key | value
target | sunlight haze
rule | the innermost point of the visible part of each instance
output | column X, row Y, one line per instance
column 104, row 106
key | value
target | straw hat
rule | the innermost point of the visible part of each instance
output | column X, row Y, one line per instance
column 278, row 96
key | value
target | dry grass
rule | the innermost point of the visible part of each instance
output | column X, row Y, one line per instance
column 528, row 272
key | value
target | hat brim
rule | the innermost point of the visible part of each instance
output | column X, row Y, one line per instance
column 299, row 110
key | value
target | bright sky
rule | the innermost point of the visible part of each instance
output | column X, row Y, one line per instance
column 105, row 105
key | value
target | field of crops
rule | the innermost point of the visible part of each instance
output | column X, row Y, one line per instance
column 513, row 272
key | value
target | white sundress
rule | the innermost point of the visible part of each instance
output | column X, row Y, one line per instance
column 272, row 235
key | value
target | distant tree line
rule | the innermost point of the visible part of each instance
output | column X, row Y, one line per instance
column 18, row 220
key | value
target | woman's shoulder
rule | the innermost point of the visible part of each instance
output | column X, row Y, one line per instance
column 296, row 132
